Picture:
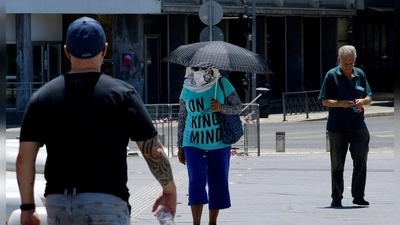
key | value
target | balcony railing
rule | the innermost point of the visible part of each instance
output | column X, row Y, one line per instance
column 269, row 7
column 12, row 89
column 333, row 4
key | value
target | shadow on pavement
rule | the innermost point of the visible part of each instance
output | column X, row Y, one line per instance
column 346, row 207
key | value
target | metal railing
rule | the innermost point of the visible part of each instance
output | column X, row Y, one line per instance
column 165, row 119
column 12, row 89
column 301, row 102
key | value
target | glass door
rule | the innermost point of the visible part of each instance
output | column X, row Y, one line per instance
column 38, row 58
column 46, row 58
column 54, row 60
column 153, row 87
column 46, row 61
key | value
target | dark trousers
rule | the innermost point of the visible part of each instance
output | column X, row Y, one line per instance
column 359, row 147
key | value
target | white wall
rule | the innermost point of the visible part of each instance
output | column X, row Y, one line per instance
column 44, row 27
column 360, row 4
column 10, row 28
column 84, row 6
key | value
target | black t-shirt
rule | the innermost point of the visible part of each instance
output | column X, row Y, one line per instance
column 86, row 120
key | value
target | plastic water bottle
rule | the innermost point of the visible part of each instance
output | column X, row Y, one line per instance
column 164, row 216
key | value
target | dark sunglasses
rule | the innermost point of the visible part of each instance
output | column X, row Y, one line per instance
column 198, row 68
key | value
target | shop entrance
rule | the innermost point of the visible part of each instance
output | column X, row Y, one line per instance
column 46, row 61
column 153, row 84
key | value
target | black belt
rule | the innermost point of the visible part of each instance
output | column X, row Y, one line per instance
column 77, row 190
column 85, row 189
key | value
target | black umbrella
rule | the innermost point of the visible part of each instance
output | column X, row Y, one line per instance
column 218, row 55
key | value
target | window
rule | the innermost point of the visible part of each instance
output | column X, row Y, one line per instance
column 11, row 60
column 377, row 42
column 11, row 75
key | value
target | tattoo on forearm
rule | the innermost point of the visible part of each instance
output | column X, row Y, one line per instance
column 158, row 162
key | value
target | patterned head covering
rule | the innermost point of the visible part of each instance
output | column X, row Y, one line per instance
column 200, row 79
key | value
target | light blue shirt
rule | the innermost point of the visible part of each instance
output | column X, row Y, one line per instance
column 202, row 127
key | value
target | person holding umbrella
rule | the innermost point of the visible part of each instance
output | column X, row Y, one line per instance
column 200, row 145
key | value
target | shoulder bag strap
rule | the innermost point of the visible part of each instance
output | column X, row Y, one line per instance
column 222, row 88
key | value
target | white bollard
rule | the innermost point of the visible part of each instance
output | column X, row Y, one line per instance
column 280, row 141
column 15, row 218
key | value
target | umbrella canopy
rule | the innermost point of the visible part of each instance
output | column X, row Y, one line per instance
column 218, row 55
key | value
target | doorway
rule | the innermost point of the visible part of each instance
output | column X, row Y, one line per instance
column 153, row 84
column 46, row 61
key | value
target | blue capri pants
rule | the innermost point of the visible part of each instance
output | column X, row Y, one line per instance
column 208, row 168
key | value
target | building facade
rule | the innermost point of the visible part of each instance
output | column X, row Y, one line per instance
column 297, row 38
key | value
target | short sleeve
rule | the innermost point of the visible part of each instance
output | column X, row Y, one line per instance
column 368, row 91
column 32, row 123
column 228, row 87
column 325, row 88
column 141, row 127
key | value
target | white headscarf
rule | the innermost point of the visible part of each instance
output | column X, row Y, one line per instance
column 200, row 80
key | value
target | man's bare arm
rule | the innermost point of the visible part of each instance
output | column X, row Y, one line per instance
column 158, row 162
column 338, row 103
column 363, row 101
column 346, row 103
column 160, row 166
column 26, row 170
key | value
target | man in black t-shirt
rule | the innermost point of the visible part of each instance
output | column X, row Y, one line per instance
column 85, row 119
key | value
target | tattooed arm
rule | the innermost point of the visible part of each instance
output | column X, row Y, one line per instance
column 158, row 162
column 26, row 171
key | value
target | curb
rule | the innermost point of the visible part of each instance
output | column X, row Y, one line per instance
column 326, row 117
column 263, row 121
column 379, row 114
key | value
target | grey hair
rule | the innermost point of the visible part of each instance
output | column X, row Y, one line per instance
column 347, row 50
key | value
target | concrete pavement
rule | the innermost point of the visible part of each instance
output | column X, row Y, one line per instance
column 283, row 187
column 279, row 187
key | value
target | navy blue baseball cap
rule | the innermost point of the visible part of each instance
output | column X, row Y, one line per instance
column 85, row 38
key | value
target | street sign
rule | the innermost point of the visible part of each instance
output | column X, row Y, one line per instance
column 211, row 16
column 217, row 34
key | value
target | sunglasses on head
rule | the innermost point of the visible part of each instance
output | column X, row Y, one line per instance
column 198, row 68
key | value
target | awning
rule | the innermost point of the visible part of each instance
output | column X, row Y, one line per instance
column 382, row 9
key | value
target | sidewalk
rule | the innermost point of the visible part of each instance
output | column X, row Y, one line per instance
column 282, row 188
column 376, row 108
column 277, row 189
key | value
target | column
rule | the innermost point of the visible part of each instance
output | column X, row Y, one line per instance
column 24, row 59
column 128, row 34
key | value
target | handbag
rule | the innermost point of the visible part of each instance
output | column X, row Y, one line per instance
column 231, row 125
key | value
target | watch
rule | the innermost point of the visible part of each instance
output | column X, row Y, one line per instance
column 27, row 206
